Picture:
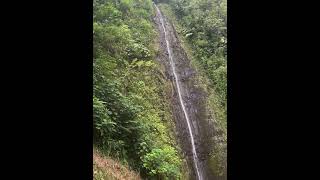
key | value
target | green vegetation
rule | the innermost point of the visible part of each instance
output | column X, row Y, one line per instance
column 131, row 116
column 202, row 29
column 132, row 121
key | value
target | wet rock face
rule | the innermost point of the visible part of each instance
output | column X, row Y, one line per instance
column 194, row 100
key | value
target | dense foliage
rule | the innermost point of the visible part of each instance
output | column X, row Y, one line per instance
column 130, row 115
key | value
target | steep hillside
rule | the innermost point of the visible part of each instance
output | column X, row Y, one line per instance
column 159, row 89
column 132, row 118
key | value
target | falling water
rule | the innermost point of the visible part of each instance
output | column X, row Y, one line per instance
column 194, row 152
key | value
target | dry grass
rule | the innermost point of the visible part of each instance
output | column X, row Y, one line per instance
column 111, row 169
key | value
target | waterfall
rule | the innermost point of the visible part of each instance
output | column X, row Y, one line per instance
column 194, row 152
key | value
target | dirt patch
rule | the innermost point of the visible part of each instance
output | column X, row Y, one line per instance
column 113, row 169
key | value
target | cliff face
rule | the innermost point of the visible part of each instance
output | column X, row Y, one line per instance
column 193, row 126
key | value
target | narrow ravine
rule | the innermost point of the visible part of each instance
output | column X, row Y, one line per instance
column 194, row 152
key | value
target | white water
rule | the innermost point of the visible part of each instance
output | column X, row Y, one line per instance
column 194, row 152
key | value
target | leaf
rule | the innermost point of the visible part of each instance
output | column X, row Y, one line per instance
column 140, row 63
column 189, row 34
column 149, row 63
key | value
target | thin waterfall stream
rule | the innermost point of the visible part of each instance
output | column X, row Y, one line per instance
column 194, row 152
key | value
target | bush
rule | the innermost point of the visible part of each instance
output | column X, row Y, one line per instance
column 163, row 163
column 102, row 121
